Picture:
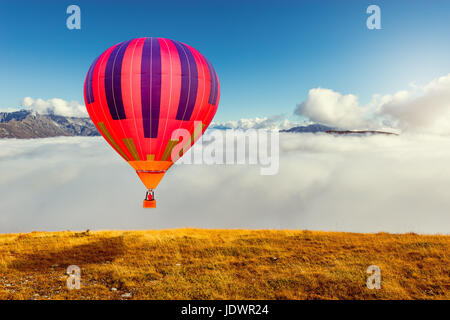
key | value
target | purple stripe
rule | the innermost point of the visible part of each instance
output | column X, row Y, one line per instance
column 151, row 86
column 214, row 87
column 113, row 83
column 189, row 82
column 88, row 85
column 216, row 92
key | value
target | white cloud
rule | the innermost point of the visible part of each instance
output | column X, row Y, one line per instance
column 361, row 184
column 332, row 108
column 420, row 109
column 274, row 122
column 427, row 111
column 55, row 106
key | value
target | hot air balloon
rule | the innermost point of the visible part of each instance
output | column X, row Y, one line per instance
column 140, row 91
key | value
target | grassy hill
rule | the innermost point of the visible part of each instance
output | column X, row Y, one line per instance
column 223, row 264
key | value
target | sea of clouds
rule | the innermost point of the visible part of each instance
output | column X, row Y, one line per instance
column 393, row 183
column 325, row 182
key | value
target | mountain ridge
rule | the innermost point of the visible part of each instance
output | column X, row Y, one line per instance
column 27, row 124
column 312, row 128
column 317, row 128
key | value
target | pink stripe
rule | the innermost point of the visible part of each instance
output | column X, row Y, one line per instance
column 131, row 83
column 170, row 93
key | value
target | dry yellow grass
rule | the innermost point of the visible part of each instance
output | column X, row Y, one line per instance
column 223, row 264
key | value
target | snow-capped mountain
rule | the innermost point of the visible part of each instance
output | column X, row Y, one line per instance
column 25, row 124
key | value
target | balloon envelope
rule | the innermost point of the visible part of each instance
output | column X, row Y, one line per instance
column 140, row 91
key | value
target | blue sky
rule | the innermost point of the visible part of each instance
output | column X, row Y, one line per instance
column 268, row 54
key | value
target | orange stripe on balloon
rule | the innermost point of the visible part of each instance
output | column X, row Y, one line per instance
column 194, row 137
column 167, row 152
column 111, row 140
column 132, row 148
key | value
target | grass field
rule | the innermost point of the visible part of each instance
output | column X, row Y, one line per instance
column 223, row 264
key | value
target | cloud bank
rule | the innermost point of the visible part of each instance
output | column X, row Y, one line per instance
column 424, row 109
column 360, row 184
column 55, row 106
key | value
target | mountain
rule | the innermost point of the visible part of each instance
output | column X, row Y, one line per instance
column 312, row 128
column 26, row 124
column 359, row 132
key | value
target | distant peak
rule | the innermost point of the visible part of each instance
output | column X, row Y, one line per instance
column 311, row 128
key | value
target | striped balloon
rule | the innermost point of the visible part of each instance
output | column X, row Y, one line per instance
column 140, row 91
